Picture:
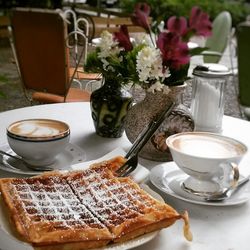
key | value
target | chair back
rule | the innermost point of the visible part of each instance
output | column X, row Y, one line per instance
column 77, row 38
column 221, row 32
column 112, row 24
column 39, row 40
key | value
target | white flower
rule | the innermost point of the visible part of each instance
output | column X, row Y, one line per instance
column 157, row 86
column 108, row 48
column 143, row 38
column 149, row 65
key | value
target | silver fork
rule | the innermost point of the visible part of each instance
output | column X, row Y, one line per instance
column 132, row 155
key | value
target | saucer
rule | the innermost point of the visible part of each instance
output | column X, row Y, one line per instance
column 72, row 154
column 169, row 178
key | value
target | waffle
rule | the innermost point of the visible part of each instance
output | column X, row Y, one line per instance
column 82, row 209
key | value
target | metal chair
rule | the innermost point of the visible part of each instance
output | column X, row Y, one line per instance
column 39, row 42
column 81, row 37
column 217, row 43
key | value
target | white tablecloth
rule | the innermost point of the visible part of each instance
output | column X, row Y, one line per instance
column 213, row 228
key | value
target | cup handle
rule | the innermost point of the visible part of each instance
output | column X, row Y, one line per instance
column 231, row 174
column 236, row 174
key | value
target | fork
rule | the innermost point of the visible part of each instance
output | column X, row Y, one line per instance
column 132, row 155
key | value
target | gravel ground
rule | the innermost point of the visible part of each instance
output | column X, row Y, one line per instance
column 10, row 85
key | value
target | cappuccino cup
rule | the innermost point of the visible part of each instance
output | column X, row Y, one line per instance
column 210, row 160
column 38, row 141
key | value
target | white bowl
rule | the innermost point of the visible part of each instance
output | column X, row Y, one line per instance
column 38, row 141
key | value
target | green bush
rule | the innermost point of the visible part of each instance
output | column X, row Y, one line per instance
column 162, row 9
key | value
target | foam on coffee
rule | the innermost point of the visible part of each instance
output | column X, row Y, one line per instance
column 38, row 128
column 208, row 146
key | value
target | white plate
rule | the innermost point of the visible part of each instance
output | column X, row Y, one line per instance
column 10, row 242
column 72, row 154
column 169, row 178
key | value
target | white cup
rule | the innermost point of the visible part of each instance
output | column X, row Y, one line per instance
column 38, row 141
column 210, row 160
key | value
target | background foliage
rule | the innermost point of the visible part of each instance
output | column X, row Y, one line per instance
column 162, row 9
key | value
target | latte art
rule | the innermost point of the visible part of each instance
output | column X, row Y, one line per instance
column 41, row 128
column 207, row 146
column 35, row 130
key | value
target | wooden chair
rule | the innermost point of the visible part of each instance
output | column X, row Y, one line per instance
column 43, row 58
column 113, row 24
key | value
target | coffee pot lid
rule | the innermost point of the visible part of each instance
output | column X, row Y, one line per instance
column 211, row 70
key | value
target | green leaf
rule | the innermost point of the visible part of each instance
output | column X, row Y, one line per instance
column 93, row 63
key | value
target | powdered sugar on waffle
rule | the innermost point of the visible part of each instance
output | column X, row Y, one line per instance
column 90, row 198
column 53, row 200
column 110, row 200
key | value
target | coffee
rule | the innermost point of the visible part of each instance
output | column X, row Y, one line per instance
column 209, row 146
column 210, row 161
column 38, row 128
column 38, row 141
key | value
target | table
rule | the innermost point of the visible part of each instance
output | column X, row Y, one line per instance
column 214, row 228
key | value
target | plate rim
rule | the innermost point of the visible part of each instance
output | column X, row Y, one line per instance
column 167, row 190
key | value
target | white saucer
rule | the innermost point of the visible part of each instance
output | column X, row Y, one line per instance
column 72, row 154
column 169, row 178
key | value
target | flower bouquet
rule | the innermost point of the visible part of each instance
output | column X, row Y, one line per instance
column 157, row 60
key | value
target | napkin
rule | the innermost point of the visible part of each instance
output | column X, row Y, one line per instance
column 139, row 174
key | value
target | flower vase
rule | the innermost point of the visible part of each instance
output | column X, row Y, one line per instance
column 109, row 106
column 140, row 115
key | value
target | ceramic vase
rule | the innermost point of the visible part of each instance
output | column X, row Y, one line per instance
column 109, row 107
column 140, row 115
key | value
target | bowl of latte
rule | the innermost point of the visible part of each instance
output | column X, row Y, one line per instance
column 38, row 141
column 210, row 160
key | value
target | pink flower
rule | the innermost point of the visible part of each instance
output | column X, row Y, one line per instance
column 199, row 22
column 175, row 53
column 141, row 15
column 123, row 38
column 177, row 25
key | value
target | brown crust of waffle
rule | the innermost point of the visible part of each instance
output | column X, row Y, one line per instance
column 14, row 214
column 74, row 245
column 112, row 164
column 146, row 229
column 134, row 212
